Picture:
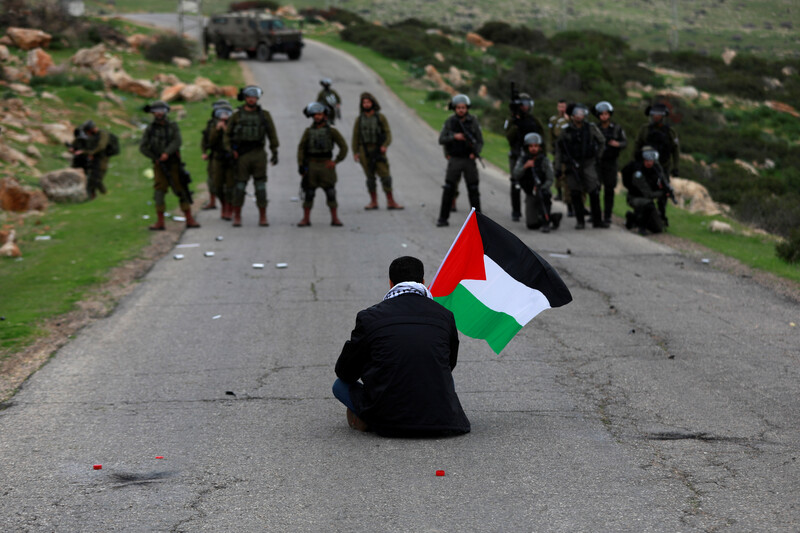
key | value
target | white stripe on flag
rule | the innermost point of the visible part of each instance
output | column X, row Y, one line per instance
column 500, row 292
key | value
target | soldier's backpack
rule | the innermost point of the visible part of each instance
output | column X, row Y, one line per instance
column 112, row 148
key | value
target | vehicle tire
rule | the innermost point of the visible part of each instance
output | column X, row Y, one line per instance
column 251, row 54
column 223, row 52
column 294, row 55
column 263, row 53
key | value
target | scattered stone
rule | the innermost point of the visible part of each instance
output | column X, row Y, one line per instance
column 728, row 56
column 695, row 197
column 476, row 40
column 783, row 108
column 172, row 93
column 12, row 155
column 181, row 62
column 64, row 186
column 15, row 197
column 287, row 12
column 166, row 79
column 483, row 92
column 28, row 39
column 139, row 40
column 49, row 96
column 717, row 226
column 747, row 166
column 142, row 88
column 439, row 57
column 433, row 75
column 207, row 85
column 10, row 248
column 772, row 84
column 228, row 91
column 59, row 131
column 193, row 93
column 4, row 53
column 788, row 71
column 22, row 89
column 90, row 57
column 34, row 152
column 454, row 76
column 39, row 62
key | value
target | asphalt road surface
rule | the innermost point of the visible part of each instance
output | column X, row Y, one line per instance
column 663, row 398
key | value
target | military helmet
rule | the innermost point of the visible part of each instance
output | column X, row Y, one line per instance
column 649, row 153
column 314, row 108
column 577, row 109
column 532, row 138
column 526, row 100
column 221, row 103
column 223, row 111
column 325, row 82
column 459, row 99
column 603, row 107
column 88, row 125
column 157, row 106
column 656, row 109
column 250, row 90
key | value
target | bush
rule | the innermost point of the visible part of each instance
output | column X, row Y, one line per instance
column 405, row 45
column 519, row 36
column 342, row 16
column 789, row 250
column 257, row 4
column 65, row 79
column 166, row 47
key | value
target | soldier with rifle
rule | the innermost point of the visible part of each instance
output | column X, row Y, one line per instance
column 646, row 181
column 316, row 164
column 371, row 139
column 331, row 100
column 462, row 140
column 204, row 148
column 616, row 141
column 245, row 138
column 222, row 167
column 534, row 173
column 556, row 124
column 517, row 126
column 161, row 143
column 660, row 135
column 578, row 148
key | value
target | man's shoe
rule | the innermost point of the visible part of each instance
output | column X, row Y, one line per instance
column 354, row 422
column 441, row 223
column 515, row 217
column 580, row 225
column 601, row 224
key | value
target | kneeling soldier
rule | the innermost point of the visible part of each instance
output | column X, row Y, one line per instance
column 534, row 173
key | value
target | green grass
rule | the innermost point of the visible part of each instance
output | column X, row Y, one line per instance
column 755, row 251
column 89, row 239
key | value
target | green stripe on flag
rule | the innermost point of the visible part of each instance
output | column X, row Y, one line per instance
column 475, row 320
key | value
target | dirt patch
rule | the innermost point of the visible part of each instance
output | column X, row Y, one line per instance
column 98, row 303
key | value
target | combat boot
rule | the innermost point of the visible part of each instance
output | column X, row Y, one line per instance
column 306, row 218
column 225, row 212
column 190, row 221
column 262, row 216
column 335, row 219
column 211, row 204
column 390, row 203
column 237, row 216
column 373, row 204
column 159, row 225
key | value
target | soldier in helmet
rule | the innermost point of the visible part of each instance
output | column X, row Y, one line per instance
column 463, row 141
column 556, row 124
column 534, row 173
column 578, row 148
column 517, row 126
column 658, row 134
column 645, row 180
column 371, row 138
column 316, row 164
column 161, row 143
column 331, row 100
column 96, row 156
column 245, row 136
column 616, row 141
column 211, row 124
column 78, row 150
column 221, row 164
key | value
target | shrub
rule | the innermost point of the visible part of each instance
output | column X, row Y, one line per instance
column 256, row 4
column 342, row 16
column 519, row 36
column 65, row 79
column 789, row 250
column 168, row 46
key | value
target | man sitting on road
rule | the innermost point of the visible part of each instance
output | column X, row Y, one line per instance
column 403, row 350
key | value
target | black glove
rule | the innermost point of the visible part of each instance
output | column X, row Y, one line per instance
column 274, row 158
column 301, row 170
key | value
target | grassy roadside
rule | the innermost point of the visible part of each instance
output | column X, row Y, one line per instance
column 86, row 241
column 754, row 250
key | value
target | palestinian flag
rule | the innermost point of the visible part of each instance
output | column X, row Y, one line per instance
column 493, row 283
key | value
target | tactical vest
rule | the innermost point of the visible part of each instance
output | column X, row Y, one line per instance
column 250, row 126
column 659, row 138
column 160, row 136
column 320, row 142
column 579, row 143
column 458, row 148
column 371, row 130
column 611, row 133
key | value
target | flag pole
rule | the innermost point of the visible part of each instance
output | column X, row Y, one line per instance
column 451, row 249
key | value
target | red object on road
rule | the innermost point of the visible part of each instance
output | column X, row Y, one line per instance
column 98, row 467
column 159, row 456
column 440, row 472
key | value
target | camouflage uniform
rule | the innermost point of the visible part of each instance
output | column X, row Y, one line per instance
column 556, row 125
column 98, row 162
column 541, row 172
column 204, row 147
column 516, row 127
column 222, row 166
column 330, row 99
column 642, row 185
column 370, row 133
column 245, row 135
column 313, row 153
column 164, row 136
column 459, row 161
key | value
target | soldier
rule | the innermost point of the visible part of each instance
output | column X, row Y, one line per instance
column 658, row 134
column 517, row 126
column 210, row 124
column 316, row 164
column 331, row 100
column 578, row 148
column 96, row 158
column 534, row 173
column 646, row 181
column 245, row 139
column 161, row 142
column 462, row 140
column 78, row 150
column 371, row 137
column 616, row 141
column 556, row 124
column 221, row 165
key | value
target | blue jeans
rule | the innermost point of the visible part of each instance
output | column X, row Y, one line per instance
column 342, row 392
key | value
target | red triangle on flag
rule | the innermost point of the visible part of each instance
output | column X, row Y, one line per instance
column 463, row 261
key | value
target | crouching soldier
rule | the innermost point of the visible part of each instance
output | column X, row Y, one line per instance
column 534, row 173
column 316, row 164
column 645, row 181
column 161, row 143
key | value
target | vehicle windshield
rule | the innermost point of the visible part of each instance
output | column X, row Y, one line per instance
column 271, row 24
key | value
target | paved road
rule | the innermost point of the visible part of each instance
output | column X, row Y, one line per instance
column 664, row 398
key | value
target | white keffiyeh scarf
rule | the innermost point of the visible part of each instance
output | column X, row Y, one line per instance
column 408, row 287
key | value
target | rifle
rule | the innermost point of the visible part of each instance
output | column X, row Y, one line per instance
column 514, row 103
column 471, row 141
column 537, row 184
column 183, row 176
column 666, row 187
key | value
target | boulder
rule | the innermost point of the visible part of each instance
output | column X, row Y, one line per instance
column 717, row 226
column 433, row 76
column 747, row 166
column 728, row 56
column 142, row 88
column 50, row 96
column 39, row 61
column 34, row 152
column 695, row 197
column 15, row 197
column 139, row 40
column 207, row 85
column 476, row 40
column 5, row 40
column 172, row 93
column 687, row 92
column 15, row 74
column 166, row 79
column 9, row 247
column 786, row 71
column 89, row 57
column 193, row 93
column 28, row 39
column 59, row 132
column 181, row 62
column 12, row 155
column 4, row 53
column 228, row 91
column 22, row 89
column 64, row 186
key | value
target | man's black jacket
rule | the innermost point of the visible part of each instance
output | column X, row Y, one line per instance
column 403, row 350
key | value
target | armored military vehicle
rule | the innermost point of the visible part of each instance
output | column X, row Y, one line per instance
column 259, row 34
